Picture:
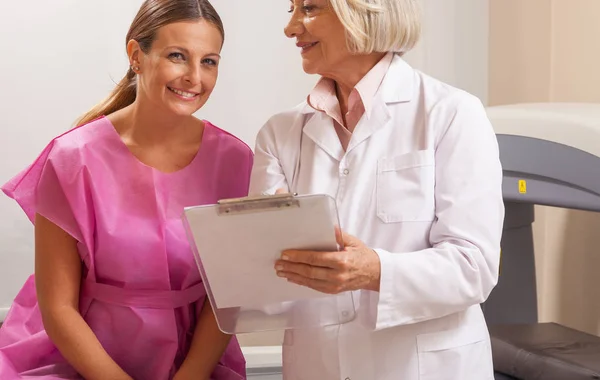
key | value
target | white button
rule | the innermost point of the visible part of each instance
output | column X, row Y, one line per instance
column 347, row 378
column 346, row 171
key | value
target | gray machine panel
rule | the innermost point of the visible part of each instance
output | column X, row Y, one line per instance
column 555, row 174
column 514, row 299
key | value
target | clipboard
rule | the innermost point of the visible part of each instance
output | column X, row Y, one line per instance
column 236, row 243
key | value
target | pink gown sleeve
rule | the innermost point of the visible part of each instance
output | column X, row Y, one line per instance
column 54, row 186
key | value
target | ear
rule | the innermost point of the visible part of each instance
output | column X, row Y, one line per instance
column 135, row 54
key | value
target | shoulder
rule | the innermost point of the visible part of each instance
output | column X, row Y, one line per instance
column 445, row 105
column 426, row 95
column 226, row 139
column 287, row 119
column 232, row 161
column 285, row 126
column 454, row 114
column 72, row 143
column 439, row 95
column 57, row 170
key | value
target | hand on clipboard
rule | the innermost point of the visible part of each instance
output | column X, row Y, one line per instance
column 355, row 267
column 246, row 293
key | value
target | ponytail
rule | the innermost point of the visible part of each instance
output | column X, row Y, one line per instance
column 123, row 95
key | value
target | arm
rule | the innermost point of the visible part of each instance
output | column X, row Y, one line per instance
column 461, row 268
column 58, row 279
column 268, row 175
column 208, row 345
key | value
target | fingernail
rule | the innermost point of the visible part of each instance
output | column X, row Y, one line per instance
column 285, row 257
column 280, row 274
column 279, row 267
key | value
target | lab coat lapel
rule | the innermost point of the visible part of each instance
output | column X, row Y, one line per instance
column 397, row 87
column 320, row 129
column 380, row 117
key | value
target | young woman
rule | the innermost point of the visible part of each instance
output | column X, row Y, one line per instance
column 116, row 292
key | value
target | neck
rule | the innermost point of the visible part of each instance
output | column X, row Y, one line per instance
column 148, row 126
column 348, row 74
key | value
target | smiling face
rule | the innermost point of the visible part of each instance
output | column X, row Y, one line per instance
column 319, row 34
column 180, row 71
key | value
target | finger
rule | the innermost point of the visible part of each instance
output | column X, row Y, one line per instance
column 280, row 191
column 350, row 241
column 315, row 258
column 307, row 271
column 318, row 285
column 345, row 239
column 339, row 236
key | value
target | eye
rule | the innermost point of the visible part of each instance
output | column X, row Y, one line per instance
column 210, row 62
column 177, row 56
column 307, row 7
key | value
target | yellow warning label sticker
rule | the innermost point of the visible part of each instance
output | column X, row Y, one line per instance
column 522, row 186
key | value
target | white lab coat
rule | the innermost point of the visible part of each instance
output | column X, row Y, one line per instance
column 420, row 182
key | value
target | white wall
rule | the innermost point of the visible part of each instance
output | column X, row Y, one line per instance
column 454, row 44
column 53, row 68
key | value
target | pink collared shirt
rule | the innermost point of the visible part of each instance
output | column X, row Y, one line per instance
column 323, row 98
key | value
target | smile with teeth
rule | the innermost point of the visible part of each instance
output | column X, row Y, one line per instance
column 188, row 95
column 308, row 46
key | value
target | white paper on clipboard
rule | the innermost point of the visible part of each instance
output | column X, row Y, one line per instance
column 238, row 243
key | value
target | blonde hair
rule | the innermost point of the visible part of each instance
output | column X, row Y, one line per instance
column 379, row 25
column 152, row 15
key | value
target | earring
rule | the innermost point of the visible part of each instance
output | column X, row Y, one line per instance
column 135, row 68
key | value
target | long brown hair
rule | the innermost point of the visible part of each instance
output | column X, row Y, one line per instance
column 152, row 15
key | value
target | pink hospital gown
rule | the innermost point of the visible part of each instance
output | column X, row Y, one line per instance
column 142, row 291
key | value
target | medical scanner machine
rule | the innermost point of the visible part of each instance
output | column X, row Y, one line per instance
column 550, row 155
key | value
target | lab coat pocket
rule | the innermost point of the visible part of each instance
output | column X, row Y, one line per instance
column 462, row 353
column 405, row 187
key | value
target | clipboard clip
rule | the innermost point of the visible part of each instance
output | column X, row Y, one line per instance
column 253, row 204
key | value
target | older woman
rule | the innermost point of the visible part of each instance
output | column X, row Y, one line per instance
column 414, row 167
